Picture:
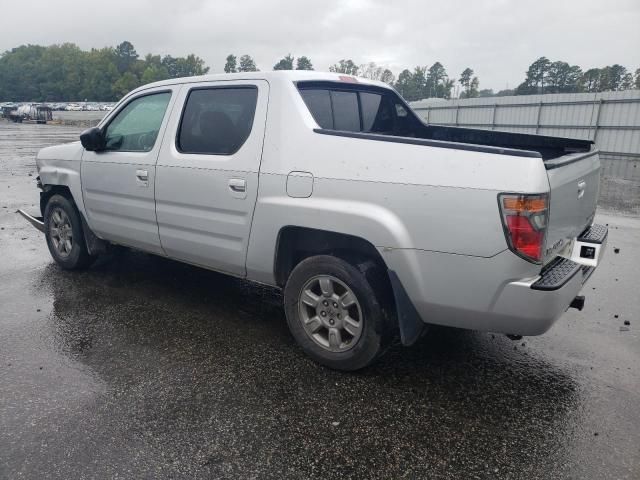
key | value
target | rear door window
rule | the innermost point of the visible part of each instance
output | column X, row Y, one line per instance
column 217, row 121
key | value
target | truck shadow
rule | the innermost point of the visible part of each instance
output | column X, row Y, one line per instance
column 194, row 351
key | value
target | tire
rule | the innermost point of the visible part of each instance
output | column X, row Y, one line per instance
column 355, row 347
column 63, row 228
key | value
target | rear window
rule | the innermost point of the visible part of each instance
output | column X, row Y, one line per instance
column 370, row 111
column 319, row 103
column 345, row 111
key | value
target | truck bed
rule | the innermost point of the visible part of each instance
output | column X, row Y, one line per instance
column 548, row 147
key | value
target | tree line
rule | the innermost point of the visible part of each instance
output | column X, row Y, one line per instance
column 67, row 73
column 545, row 76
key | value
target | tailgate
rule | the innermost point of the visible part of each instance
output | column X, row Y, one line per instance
column 574, row 182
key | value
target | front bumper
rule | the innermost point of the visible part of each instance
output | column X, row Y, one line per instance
column 37, row 222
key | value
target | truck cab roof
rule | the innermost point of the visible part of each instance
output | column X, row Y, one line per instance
column 270, row 76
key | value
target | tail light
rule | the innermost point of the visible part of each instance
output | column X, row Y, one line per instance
column 524, row 218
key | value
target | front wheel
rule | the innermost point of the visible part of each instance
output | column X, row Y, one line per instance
column 334, row 312
column 64, row 234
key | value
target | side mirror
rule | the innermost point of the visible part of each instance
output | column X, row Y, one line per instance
column 93, row 139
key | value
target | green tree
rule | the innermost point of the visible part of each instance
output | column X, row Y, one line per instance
column 387, row 77
column 247, row 64
column 404, row 84
column 412, row 85
column 590, row 81
column 152, row 69
column 344, row 66
column 535, row 78
column 230, row 66
column 611, row 77
column 101, row 74
column 627, row 82
column 437, row 83
column 303, row 63
column 637, row 80
column 125, row 84
column 563, row 78
column 188, row 66
column 63, row 68
column 20, row 73
column 285, row 63
column 66, row 73
column 126, row 56
column 153, row 73
column 486, row 92
column 469, row 84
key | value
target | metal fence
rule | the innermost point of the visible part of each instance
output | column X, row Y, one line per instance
column 610, row 119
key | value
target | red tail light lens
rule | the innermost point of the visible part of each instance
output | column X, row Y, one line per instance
column 525, row 222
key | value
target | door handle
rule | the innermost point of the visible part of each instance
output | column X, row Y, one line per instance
column 142, row 178
column 581, row 186
column 238, row 185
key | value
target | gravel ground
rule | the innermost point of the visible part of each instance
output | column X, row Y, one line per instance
column 142, row 367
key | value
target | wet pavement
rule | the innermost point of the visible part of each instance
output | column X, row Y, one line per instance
column 141, row 367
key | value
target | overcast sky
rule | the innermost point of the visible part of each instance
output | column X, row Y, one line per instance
column 497, row 38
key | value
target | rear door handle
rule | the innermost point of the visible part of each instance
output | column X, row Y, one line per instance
column 238, row 187
column 142, row 178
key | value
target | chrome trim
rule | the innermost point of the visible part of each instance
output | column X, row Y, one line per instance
column 35, row 221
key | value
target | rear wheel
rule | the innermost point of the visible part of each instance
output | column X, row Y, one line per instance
column 63, row 231
column 334, row 312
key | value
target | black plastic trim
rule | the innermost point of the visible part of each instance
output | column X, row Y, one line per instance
column 409, row 320
column 594, row 234
column 552, row 164
column 430, row 143
column 560, row 266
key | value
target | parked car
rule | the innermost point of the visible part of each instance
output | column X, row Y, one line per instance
column 329, row 187
column 73, row 107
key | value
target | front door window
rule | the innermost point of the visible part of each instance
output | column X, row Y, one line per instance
column 135, row 128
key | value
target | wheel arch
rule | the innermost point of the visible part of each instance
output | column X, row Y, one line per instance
column 94, row 244
column 295, row 243
column 49, row 191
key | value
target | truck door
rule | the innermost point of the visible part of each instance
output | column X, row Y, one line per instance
column 118, row 183
column 207, row 173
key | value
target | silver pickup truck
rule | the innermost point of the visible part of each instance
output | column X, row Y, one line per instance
column 373, row 223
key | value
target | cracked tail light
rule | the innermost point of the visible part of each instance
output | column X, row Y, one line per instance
column 524, row 218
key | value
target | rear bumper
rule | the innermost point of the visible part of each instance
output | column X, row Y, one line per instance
column 528, row 310
column 471, row 292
